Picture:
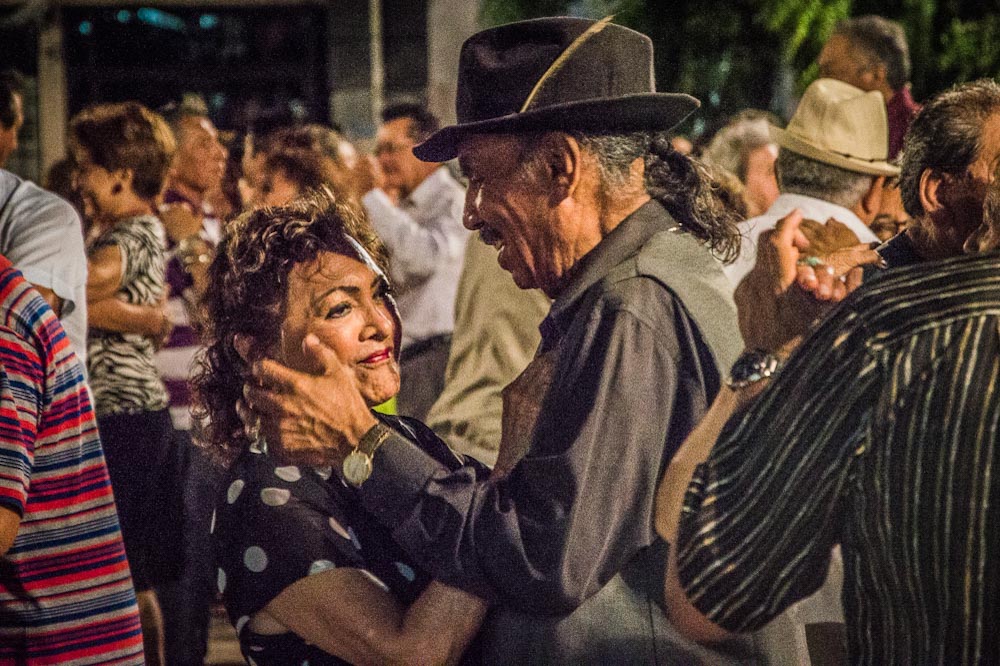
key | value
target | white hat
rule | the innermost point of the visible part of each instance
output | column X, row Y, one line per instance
column 840, row 125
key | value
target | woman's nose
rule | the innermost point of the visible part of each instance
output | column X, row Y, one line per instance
column 380, row 322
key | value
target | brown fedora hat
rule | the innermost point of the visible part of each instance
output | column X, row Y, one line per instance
column 556, row 74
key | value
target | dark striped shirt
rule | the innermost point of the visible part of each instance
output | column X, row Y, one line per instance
column 879, row 435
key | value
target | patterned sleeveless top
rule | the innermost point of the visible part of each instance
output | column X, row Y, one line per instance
column 123, row 376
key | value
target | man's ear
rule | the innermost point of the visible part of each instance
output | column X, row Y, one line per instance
column 871, row 202
column 930, row 190
column 562, row 155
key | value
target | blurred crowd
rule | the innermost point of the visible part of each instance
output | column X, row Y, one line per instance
column 180, row 260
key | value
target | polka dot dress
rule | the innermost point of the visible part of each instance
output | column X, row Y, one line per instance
column 276, row 524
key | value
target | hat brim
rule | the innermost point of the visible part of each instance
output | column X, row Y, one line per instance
column 629, row 113
column 795, row 144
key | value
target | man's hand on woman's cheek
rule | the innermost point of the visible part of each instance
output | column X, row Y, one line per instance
column 313, row 419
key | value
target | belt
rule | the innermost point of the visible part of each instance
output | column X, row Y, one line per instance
column 425, row 345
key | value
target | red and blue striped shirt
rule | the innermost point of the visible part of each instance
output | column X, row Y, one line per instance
column 66, row 594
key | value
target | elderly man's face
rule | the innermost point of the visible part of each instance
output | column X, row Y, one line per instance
column 840, row 60
column 987, row 237
column 516, row 213
column 200, row 160
column 964, row 195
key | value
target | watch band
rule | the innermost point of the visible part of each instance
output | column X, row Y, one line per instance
column 752, row 366
column 359, row 463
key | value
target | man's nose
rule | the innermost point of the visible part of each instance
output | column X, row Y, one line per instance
column 470, row 214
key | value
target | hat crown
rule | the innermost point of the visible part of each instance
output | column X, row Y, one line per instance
column 499, row 68
column 839, row 118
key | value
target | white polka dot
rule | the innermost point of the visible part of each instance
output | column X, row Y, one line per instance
column 406, row 572
column 339, row 529
column 375, row 579
column 255, row 558
column 251, row 661
column 305, row 663
column 354, row 538
column 211, row 527
column 256, row 648
column 221, row 581
column 290, row 473
column 324, row 472
column 319, row 566
column 275, row 496
column 235, row 488
column 240, row 623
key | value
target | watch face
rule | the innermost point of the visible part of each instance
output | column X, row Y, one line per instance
column 752, row 366
column 357, row 467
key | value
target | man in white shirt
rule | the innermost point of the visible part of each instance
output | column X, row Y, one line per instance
column 832, row 164
column 42, row 236
column 426, row 242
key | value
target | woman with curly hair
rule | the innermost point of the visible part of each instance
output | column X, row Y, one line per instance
column 306, row 574
column 122, row 153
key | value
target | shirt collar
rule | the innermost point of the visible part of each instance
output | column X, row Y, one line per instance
column 624, row 241
column 428, row 189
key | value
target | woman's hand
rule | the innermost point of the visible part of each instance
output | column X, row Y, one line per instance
column 312, row 419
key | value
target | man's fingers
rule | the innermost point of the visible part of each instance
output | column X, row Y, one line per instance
column 275, row 376
column 843, row 261
column 779, row 247
column 787, row 230
column 243, row 344
column 817, row 281
column 264, row 402
column 323, row 360
column 853, row 279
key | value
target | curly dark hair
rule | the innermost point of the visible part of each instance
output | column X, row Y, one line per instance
column 248, row 296
column 693, row 197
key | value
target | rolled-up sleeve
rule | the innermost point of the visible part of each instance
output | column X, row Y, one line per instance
column 579, row 505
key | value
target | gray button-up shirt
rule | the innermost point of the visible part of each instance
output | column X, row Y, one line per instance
column 635, row 371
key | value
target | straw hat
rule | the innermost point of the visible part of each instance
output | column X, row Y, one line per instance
column 840, row 125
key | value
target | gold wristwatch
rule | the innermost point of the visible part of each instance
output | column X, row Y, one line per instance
column 358, row 464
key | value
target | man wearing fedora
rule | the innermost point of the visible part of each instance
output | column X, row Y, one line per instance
column 832, row 164
column 573, row 179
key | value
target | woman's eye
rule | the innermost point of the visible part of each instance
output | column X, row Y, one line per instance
column 338, row 310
